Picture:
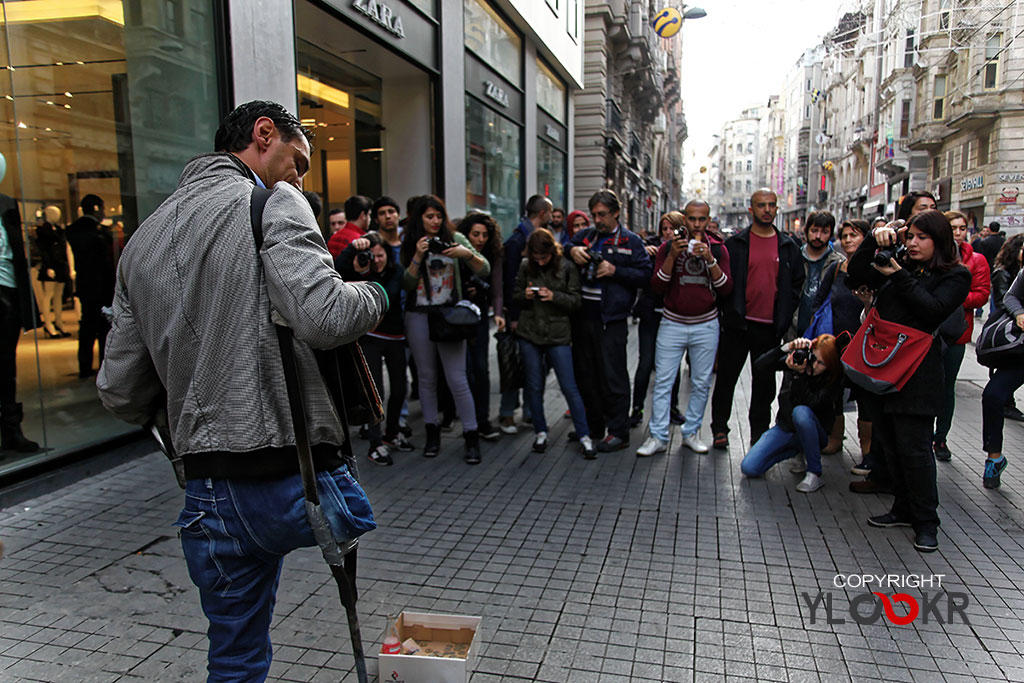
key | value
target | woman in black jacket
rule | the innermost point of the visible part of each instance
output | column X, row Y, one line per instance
column 369, row 258
column 921, row 292
column 812, row 389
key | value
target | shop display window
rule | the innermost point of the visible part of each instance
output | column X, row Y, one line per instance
column 493, row 165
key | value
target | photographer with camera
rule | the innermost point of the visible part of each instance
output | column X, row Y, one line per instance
column 430, row 249
column 810, row 398
column 923, row 283
column 547, row 290
column 691, row 270
column 613, row 265
column 369, row 258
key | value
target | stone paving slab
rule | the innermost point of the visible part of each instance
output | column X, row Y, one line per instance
column 671, row 568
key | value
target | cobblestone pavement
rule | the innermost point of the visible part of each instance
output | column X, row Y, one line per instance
column 671, row 568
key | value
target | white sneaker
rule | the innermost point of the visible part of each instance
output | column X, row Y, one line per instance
column 651, row 446
column 812, row 482
column 540, row 442
column 695, row 444
column 799, row 465
column 587, row 446
column 507, row 425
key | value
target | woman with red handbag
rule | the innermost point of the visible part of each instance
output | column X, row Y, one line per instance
column 924, row 283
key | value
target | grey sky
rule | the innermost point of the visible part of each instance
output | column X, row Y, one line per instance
column 738, row 56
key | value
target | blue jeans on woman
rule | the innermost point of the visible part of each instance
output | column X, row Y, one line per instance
column 560, row 358
column 235, row 534
column 777, row 445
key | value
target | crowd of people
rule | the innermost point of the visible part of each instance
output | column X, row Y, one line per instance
column 566, row 290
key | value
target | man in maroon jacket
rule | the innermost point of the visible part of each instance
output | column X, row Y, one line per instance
column 690, row 272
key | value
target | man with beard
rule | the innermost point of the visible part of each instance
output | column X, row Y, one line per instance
column 557, row 226
column 818, row 255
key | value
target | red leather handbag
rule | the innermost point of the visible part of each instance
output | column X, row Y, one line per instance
column 884, row 355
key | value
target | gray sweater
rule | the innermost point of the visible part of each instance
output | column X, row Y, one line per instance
column 1015, row 296
column 192, row 314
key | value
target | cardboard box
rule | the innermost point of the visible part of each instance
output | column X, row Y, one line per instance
column 433, row 633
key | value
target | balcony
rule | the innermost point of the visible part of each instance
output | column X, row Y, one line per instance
column 894, row 159
column 613, row 119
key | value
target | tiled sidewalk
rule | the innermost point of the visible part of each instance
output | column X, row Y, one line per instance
column 671, row 568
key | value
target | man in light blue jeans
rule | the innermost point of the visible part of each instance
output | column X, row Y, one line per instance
column 690, row 272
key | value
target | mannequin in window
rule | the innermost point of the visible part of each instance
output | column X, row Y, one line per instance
column 16, row 313
column 54, row 271
column 92, row 245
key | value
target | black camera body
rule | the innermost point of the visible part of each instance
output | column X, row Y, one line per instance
column 364, row 258
column 436, row 245
column 801, row 356
column 596, row 259
column 885, row 254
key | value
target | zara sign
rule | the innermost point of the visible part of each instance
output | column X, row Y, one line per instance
column 382, row 14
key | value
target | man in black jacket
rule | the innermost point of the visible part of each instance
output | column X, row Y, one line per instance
column 93, row 246
column 768, row 276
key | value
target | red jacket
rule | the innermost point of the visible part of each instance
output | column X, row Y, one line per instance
column 690, row 295
column 344, row 237
column 981, row 287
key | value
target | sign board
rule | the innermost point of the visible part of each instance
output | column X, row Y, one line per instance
column 972, row 183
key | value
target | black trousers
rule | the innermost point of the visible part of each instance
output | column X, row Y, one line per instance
column 599, row 362
column 93, row 328
column 911, row 465
column 478, row 370
column 391, row 352
column 733, row 348
column 10, row 332
column 648, row 328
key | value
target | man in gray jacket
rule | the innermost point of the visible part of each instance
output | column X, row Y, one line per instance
column 192, row 333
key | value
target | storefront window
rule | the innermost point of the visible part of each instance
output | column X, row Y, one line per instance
column 493, row 163
column 493, row 40
column 550, row 92
column 103, row 101
column 551, row 173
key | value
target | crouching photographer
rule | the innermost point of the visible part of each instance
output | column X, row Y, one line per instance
column 922, row 283
column 810, row 398
column 368, row 258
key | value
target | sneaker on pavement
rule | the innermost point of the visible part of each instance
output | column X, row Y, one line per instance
column 887, row 521
column 398, row 442
column 694, row 444
column 381, row 455
column 508, row 425
column 799, row 465
column 993, row 470
column 721, row 442
column 612, row 443
column 1012, row 412
column 942, row 453
column 861, row 468
column 926, row 541
column 651, row 446
column 587, row 446
column 540, row 442
column 811, row 483
column 637, row 418
column 488, row 432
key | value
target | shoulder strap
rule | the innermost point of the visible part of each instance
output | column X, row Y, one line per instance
column 258, row 202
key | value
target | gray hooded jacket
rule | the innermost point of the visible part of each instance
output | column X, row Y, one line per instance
column 192, row 314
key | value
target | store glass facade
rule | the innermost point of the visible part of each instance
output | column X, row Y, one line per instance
column 551, row 174
column 107, row 99
column 493, row 40
column 493, row 164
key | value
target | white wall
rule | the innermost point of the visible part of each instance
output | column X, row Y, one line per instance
column 550, row 30
column 263, row 52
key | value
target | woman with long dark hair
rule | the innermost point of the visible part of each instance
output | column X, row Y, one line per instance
column 913, row 203
column 431, row 250
column 487, row 292
column 919, row 292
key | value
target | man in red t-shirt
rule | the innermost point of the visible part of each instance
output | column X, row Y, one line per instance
column 357, row 213
column 768, row 276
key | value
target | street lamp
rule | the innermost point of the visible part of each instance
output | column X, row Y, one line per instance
column 694, row 13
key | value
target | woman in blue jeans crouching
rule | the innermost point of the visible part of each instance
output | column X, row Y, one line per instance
column 808, row 404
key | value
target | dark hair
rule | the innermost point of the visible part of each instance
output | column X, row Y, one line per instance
column 91, row 204
column 376, row 240
column 536, row 204
column 235, row 131
column 606, row 197
column 558, row 208
column 492, row 249
column 1009, row 253
column 335, row 212
column 821, row 219
column 414, row 229
column 907, row 202
column 994, row 226
column 858, row 224
column 356, row 206
column 380, row 203
column 542, row 242
column 936, row 226
column 315, row 202
column 878, row 219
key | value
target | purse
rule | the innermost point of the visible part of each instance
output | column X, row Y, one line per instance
column 883, row 355
column 1001, row 342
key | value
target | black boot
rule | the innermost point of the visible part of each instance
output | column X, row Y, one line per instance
column 11, row 438
column 433, row 445
column 472, row 446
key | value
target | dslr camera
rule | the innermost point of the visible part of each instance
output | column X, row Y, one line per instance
column 364, row 258
column 595, row 261
column 801, row 356
column 883, row 255
column 436, row 245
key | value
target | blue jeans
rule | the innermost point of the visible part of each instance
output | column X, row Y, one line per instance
column 674, row 339
column 560, row 358
column 235, row 534
column 777, row 445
